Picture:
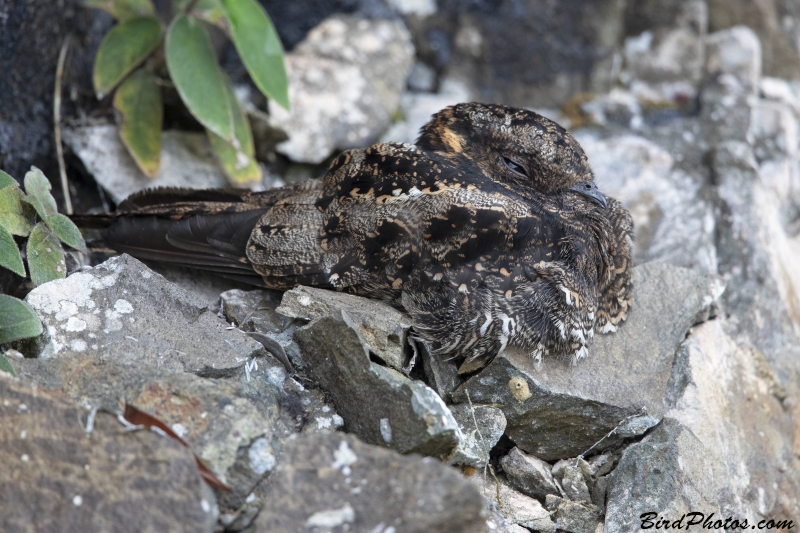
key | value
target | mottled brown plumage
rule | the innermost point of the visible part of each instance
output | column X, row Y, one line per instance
column 488, row 231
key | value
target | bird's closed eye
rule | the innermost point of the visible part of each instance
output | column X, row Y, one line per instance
column 513, row 166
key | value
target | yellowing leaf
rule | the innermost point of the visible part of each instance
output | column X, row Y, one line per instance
column 16, row 215
column 123, row 10
column 140, row 115
column 260, row 48
column 197, row 76
column 122, row 49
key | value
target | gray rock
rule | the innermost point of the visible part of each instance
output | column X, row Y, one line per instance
column 543, row 405
column 526, row 53
column 378, row 404
column 418, row 108
column 186, row 161
column 383, row 328
column 725, row 391
column 481, row 428
column 442, row 374
column 58, row 469
column 669, row 472
column 529, row 474
column 574, row 517
column 776, row 24
column 232, row 425
column 673, row 222
column 733, row 68
column 206, row 286
column 335, row 482
column 573, row 482
column 345, row 81
column 514, row 507
column 254, row 310
column 664, row 63
column 123, row 311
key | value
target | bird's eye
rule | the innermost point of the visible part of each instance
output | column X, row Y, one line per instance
column 513, row 166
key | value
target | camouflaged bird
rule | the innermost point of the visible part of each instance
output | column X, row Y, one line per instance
column 489, row 231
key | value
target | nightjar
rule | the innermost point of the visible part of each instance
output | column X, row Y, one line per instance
column 489, row 231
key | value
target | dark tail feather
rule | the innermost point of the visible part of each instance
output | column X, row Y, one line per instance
column 95, row 221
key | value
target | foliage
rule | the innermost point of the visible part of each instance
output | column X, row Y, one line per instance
column 132, row 51
column 31, row 215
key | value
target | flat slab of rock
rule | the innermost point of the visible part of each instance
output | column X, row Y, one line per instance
column 124, row 311
column 378, row 404
column 334, row 482
column 560, row 410
column 383, row 328
column 186, row 161
column 56, row 476
column 529, row 474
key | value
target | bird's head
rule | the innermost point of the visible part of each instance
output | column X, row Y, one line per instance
column 514, row 146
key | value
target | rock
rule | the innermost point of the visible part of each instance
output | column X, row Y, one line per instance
column 544, row 405
column 528, row 474
column 775, row 22
column 255, row 313
column 733, row 68
column 669, row 472
column 186, row 161
column 525, row 53
column 59, row 469
column 205, row 285
column 335, row 482
column 254, row 310
column 672, row 220
column 725, row 392
column 345, row 81
column 513, row 506
column 121, row 310
column 383, row 328
column 418, row 108
column 664, row 56
column 481, row 427
column 221, row 419
column 573, row 483
column 574, row 517
column 378, row 404
column 442, row 374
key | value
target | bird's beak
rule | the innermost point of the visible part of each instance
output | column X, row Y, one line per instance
column 590, row 190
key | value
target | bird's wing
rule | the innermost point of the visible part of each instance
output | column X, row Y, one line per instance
column 615, row 288
column 202, row 229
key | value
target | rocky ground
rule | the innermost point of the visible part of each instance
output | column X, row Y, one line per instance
column 317, row 411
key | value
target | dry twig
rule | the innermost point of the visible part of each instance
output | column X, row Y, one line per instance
column 62, row 56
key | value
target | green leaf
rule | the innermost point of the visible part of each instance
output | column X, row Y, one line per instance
column 260, row 48
column 197, row 76
column 237, row 158
column 38, row 188
column 45, row 256
column 122, row 49
column 10, row 257
column 123, row 10
column 5, row 366
column 18, row 320
column 140, row 115
column 6, row 180
column 66, row 230
column 16, row 215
